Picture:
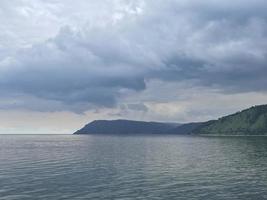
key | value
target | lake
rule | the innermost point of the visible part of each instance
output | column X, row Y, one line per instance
column 132, row 167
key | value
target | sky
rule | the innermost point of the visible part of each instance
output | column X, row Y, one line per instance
column 66, row 63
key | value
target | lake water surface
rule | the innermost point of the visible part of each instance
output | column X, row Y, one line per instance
column 52, row 167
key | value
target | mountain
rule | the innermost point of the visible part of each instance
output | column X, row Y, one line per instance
column 126, row 127
column 185, row 129
column 252, row 121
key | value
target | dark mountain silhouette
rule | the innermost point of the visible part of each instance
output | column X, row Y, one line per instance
column 185, row 128
column 252, row 121
column 125, row 127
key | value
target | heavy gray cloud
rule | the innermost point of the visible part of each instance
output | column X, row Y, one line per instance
column 94, row 53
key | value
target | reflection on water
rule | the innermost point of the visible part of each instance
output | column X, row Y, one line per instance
column 132, row 167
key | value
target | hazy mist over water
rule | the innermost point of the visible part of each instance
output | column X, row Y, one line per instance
column 132, row 167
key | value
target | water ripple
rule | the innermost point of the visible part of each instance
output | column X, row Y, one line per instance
column 144, row 167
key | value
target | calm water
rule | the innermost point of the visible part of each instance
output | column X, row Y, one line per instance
column 132, row 167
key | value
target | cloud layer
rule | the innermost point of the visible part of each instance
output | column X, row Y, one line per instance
column 92, row 54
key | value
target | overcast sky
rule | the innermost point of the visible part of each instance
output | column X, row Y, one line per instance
column 66, row 63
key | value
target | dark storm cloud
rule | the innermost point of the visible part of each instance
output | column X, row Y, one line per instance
column 214, row 44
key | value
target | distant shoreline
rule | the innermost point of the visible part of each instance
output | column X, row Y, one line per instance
column 218, row 135
column 133, row 134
